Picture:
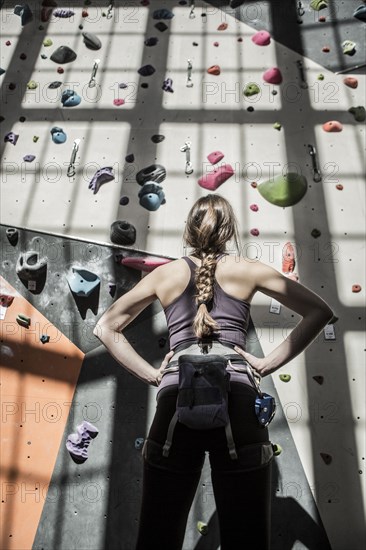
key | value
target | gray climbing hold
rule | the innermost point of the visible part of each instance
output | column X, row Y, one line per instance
column 91, row 41
column 157, row 138
column 82, row 282
column 30, row 265
column 154, row 172
column 25, row 13
column 55, row 84
column 284, row 190
column 359, row 113
column 122, row 232
column 163, row 13
column 63, row 54
column 2, row 71
column 151, row 41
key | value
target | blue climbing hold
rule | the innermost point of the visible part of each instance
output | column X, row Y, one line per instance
column 82, row 282
column 70, row 98
column 58, row 135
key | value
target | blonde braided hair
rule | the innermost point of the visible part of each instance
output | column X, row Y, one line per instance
column 211, row 223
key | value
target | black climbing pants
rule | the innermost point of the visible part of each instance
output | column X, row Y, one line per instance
column 241, row 487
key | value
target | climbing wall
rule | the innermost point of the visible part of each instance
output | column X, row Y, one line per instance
column 147, row 90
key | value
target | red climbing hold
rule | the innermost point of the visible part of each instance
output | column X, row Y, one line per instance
column 322, row 19
column 216, row 44
column 326, row 49
column 339, row 186
column 356, row 288
column 351, row 82
column 254, row 184
column 332, row 126
column 254, row 232
column 214, row 69
column 60, row 70
column 222, row 27
column 254, row 207
column 288, row 258
column 84, row 13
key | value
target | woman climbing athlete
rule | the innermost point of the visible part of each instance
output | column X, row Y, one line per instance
column 206, row 298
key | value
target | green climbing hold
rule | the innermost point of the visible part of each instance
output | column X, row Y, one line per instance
column 321, row 76
column 35, row 139
column 47, row 42
column 251, row 89
column 285, row 377
column 277, row 126
column 202, row 527
column 358, row 112
column 318, row 5
column 277, row 449
column 32, row 85
column 284, row 190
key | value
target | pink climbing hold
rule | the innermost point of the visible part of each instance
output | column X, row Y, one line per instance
column 254, row 207
column 261, row 38
column 147, row 263
column 215, row 157
column 351, row 82
column 273, row 76
column 332, row 126
column 216, row 44
column 213, row 180
column 254, row 232
column 118, row 102
column 356, row 289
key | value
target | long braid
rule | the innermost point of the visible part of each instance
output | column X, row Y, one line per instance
column 204, row 325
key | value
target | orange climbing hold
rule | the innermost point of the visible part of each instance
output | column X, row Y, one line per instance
column 332, row 126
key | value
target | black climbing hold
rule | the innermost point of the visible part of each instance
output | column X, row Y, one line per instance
column 154, row 172
column 130, row 157
column 161, row 26
column 315, row 233
column 250, row 109
column 55, row 84
column 146, row 70
column 44, row 56
column 44, row 338
column 13, row 235
column 2, row 71
column 122, row 232
column 122, row 85
column 81, row 27
column 319, row 379
column 195, row 43
column 123, row 201
column 2, row 118
column 151, row 41
column 157, row 138
column 23, row 56
column 162, row 342
column 12, row 86
column 112, row 289
column 63, row 54
column 144, row 85
column 91, row 41
column 22, row 119
column 326, row 457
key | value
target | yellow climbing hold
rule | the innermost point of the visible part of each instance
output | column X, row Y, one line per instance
column 202, row 527
column 32, row 85
column 277, row 449
column 285, row 377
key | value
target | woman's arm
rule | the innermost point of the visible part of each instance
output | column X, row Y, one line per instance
column 117, row 317
column 314, row 311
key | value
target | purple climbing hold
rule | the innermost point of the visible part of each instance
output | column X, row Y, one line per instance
column 29, row 158
column 103, row 175
column 11, row 138
column 63, row 13
column 167, row 85
column 254, row 232
column 78, row 443
column 146, row 70
column 157, row 138
column 151, row 41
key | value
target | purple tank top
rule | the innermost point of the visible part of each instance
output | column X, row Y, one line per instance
column 231, row 314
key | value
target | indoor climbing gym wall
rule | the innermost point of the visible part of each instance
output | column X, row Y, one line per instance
column 116, row 116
